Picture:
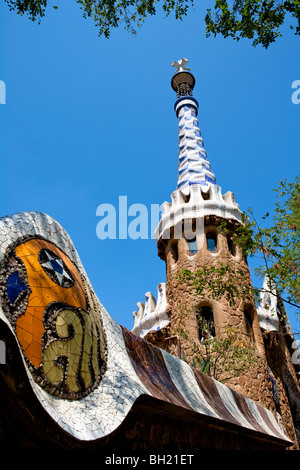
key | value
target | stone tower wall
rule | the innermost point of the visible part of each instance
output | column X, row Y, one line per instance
column 182, row 333
column 183, row 301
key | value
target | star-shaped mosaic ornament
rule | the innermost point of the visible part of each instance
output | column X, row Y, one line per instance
column 55, row 268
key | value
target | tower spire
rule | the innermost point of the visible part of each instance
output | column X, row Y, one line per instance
column 193, row 166
column 197, row 194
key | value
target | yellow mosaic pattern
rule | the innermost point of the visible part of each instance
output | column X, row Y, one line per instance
column 29, row 326
column 79, row 350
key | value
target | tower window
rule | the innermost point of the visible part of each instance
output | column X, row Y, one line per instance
column 174, row 252
column 206, row 325
column 192, row 246
column 249, row 327
column 231, row 245
column 211, row 239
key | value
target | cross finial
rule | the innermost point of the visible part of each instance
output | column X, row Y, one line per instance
column 180, row 65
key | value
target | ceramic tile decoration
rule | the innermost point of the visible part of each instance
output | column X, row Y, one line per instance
column 197, row 194
column 267, row 308
column 271, row 308
column 151, row 315
column 85, row 369
column 202, row 201
column 194, row 166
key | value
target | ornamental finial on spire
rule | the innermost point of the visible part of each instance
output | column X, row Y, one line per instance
column 180, row 65
column 183, row 81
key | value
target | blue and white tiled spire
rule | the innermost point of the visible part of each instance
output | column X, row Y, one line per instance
column 194, row 166
column 197, row 194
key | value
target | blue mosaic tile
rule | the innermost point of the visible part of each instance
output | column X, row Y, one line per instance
column 14, row 287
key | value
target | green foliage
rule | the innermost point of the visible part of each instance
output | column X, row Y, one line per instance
column 35, row 9
column 226, row 357
column 280, row 242
column 182, row 333
column 109, row 14
column 217, row 281
column 222, row 358
column 258, row 20
column 277, row 246
column 204, row 364
column 184, row 358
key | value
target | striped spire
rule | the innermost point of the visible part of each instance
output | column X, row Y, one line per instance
column 193, row 166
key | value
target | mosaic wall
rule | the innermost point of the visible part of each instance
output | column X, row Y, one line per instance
column 86, row 370
column 58, row 329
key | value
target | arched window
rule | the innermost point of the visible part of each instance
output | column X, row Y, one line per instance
column 192, row 246
column 249, row 327
column 174, row 252
column 206, row 325
column 231, row 245
column 211, row 239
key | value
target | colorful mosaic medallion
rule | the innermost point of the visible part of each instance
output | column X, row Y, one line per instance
column 54, row 317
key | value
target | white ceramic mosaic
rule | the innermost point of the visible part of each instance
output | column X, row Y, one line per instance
column 151, row 315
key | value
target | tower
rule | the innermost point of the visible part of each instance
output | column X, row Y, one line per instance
column 188, row 235
column 189, row 238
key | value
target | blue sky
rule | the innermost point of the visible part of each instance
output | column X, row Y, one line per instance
column 89, row 119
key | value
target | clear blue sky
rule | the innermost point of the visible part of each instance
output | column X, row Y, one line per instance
column 89, row 119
